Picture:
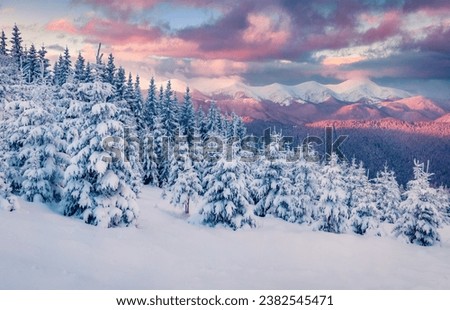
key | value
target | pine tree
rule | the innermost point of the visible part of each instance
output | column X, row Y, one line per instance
column 129, row 94
column 363, row 205
column 227, row 196
column 42, row 151
column 110, row 70
column 267, row 180
column 44, row 65
column 388, row 195
column 138, row 106
column 16, row 50
column 420, row 220
column 186, row 186
column 79, row 75
column 98, row 186
column 65, row 67
column 56, row 72
column 305, row 175
column 213, row 123
column 285, row 200
column 444, row 203
column 150, row 110
column 89, row 74
column 119, row 85
column 333, row 197
column 7, row 201
column 150, row 173
column 170, row 112
column 3, row 48
column 31, row 68
column 161, row 151
column 17, row 127
column 201, row 123
column 187, row 118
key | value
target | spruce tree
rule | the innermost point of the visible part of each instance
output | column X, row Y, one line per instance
column 150, row 110
column 186, row 184
column 388, row 195
column 79, row 74
column 227, row 196
column 267, row 180
column 364, row 213
column 42, row 152
column 150, row 173
column 16, row 50
column 31, row 67
column 110, row 70
column 98, row 184
column 65, row 67
column 333, row 197
column 44, row 65
column 7, row 201
column 187, row 118
column 119, row 84
column 170, row 112
column 3, row 46
column 420, row 217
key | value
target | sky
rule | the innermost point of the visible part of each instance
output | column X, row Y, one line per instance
column 398, row 43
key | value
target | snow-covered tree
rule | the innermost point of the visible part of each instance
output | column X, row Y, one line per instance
column 160, row 148
column 420, row 217
column 267, row 178
column 305, row 176
column 42, row 150
column 387, row 195
column 170, row 112
column 3, row 49
column 150, row 173
column 186, row 184
column 16, row 50
column 119, row 84
column 227, row 196
column 110, row 70
column 7, row 201
column 98, row 184
column 187, row 118
column 444, row 203
column 44, row 65
column 150, row 109
column 31, row 67
column 333, row 196
column 364, row 215
column 79, row 74
column 285, row 204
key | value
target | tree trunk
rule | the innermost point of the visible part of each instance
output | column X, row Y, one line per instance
column 186, row 207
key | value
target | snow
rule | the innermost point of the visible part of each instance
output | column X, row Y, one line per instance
column 349, row 91
column 43, row 250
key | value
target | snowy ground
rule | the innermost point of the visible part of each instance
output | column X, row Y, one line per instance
column 41, row 249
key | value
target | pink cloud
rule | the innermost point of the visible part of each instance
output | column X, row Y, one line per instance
column 217, row 67
column 62, row 25
column 389, row 25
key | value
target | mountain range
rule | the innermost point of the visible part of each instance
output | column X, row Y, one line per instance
column 384, row 125
column 358, row 99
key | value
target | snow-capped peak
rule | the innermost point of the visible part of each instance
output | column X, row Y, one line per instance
column 355, row 90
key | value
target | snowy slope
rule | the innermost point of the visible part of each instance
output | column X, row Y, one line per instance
column 349, row 91
column 365, row 90
column 43, row 250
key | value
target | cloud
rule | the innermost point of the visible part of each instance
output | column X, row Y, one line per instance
column 62, row 25
column 55, row 47
column 335, row 39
